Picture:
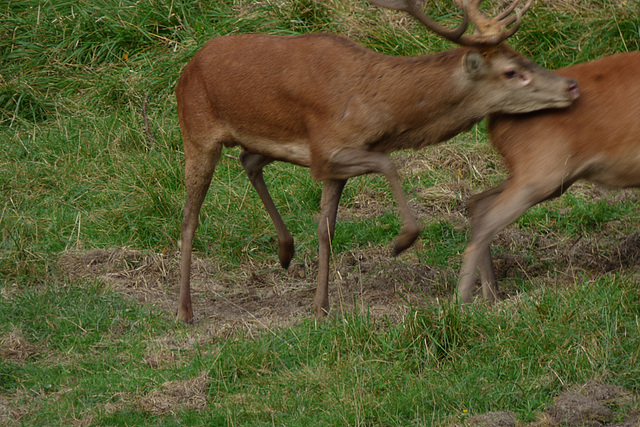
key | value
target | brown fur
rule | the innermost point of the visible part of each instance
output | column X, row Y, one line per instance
column 596, row 139
column 323, row 102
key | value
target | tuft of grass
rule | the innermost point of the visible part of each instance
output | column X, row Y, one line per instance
column 443, row 242
column 577, row 214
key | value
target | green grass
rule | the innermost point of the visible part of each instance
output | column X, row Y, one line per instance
column 578, row 214
column 77, row 172
column 440, row 364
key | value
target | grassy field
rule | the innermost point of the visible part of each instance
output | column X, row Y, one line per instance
column 89, row 221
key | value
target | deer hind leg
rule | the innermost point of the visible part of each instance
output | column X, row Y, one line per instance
column 493, row 211
column 253, row 165
column 199, row 168
column 331, row 192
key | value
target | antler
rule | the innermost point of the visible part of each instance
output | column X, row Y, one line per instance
column 489, row 32
column 414, row 8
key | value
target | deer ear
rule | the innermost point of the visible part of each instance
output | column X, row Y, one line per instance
column 474, row 63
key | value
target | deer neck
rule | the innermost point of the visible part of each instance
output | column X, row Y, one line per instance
column 428, row 99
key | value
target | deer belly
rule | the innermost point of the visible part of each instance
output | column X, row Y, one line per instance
column 619, row 170
column 296, row 152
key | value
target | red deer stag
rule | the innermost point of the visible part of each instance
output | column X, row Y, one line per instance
column 324, row 102
column 595, row 139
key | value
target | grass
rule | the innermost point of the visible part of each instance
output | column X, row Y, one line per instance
column 440, row 364
column 578, row 215
column 78, row 172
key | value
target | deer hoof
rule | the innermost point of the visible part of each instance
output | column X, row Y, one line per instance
column 185, row 316
column 404, row 242
column 285, row 254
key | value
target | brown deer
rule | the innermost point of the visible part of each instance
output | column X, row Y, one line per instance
column 324, row 102
column 595, row 139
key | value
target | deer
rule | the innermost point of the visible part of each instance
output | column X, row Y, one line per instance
column 324, row 102
column 596, row 139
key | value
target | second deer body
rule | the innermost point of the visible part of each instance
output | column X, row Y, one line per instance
column 596, row 139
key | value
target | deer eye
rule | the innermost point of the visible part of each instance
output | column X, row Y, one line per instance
column 510, row 74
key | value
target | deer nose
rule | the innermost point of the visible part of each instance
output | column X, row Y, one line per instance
column 573, row 89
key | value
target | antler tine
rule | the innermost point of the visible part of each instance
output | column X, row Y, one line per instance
column 507, row 11
column 517, row 18
column 471, row 8
column 414, row 8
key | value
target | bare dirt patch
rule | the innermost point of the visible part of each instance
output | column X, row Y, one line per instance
column 144, row 276
column 593, row 404
column 14, row 407
column 16, row 348
column 257, row 296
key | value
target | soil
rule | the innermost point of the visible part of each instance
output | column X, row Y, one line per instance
column 593, row 404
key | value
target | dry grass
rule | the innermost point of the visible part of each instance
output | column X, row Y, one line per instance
column 14, row 347
column 178, row 395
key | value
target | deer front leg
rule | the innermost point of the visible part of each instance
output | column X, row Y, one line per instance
column 349, row 162
column 331, row 192
column 253, row 164
column 344, row 164
column 478, row 206
column 504, row 204
column 488, row 276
